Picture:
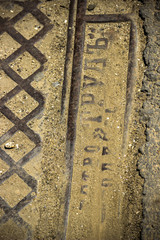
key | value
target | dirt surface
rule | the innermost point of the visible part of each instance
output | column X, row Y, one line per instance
column 98, row 195
column 149, row 162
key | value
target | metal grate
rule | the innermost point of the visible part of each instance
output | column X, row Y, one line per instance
column 27, row 45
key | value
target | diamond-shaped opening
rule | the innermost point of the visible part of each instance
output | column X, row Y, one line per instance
column 22, row 146
column 8, row 9
column 3, row 167
column 30, row 212
column 12, row 231
column 5, row 124
column 34, row 167
column 28, row 26
column 8, row 45
column 6, row 83
column 13, row 190
column 25, row 65
column 22, row 104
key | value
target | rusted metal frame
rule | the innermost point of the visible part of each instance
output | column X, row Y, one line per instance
column 131, row 80
column 74, row 102
column 13, row 213
column 82, row 19
column 21, row 85
column 68, row 57
column 15, row 168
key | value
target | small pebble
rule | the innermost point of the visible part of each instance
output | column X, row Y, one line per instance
column 91, row 7
column 9, row 145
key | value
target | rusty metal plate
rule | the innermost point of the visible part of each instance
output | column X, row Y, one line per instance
column 101, row 94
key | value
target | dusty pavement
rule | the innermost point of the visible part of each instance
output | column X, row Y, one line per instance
column 79, row 120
